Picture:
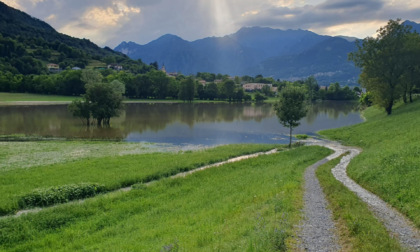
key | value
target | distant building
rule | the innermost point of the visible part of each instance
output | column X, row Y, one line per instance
column 76, row 68
column 202, row 82
column 251, row 87
column 53, row 68
column 255, row 86
column 115, row 67
column 173, row 74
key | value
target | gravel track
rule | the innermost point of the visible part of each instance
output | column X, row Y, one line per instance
column 398, row 225
column 317, row 230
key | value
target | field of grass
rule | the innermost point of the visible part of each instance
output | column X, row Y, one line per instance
column 112, row 171
column 25, row 154
column 359, row 230
column 9, row 98
column 389, row 165
column 251, row 205
column 16, row 97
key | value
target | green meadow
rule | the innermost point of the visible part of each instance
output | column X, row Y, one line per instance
column 16, row 97
column 112, row 172
column 250, row 205
column 389, row 165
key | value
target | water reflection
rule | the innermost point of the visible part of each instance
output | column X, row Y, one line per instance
column 333, row 109
column 176, row 123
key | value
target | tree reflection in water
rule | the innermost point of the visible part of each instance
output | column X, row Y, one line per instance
column 184, row 122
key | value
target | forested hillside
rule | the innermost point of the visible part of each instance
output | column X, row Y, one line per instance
column 28, row 44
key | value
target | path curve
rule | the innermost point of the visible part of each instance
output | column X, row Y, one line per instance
column 397, row 224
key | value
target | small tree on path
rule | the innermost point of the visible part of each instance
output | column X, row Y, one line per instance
column 291, row 108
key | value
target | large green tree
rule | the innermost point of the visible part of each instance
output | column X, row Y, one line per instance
column 102, row 101
column 187, row 90
column 291, row 108
column 411, row 76
column 383, row 64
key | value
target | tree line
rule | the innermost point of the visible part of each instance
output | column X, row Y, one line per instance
column 390, row 65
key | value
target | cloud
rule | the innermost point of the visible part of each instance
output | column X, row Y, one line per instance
column 108, row 22
column 51, row 17
column 336, row 17
column 13, row 3
column 253, row 12
column 101, row 23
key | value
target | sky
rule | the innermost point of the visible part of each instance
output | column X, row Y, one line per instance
column 109, row 22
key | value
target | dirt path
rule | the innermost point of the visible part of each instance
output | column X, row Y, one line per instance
column 317, row 231
column 395, row 222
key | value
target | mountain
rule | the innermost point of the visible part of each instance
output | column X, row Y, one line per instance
column 283, row 54
column 326, row 61
column 28, row 44
column 415, row 27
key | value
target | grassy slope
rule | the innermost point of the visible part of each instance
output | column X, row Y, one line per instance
column 114, row 171
column 359, row 229
column 389, row 165
column 251, row 205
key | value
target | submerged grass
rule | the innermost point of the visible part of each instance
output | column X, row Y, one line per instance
column 250, row 205
column 113, row 172
column 26, row 154
column 389, row 165
column 359, row 229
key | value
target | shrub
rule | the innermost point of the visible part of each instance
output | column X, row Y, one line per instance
column 60, row 194
column 302, row 137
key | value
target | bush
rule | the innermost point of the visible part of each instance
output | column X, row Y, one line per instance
column 302, row 137
column 61, row 194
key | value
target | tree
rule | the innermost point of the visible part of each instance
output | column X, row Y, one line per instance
column 259, row 98
column 411, row 76
column 211, row 91
column 312, row 88
column 229, row 89
column 81, row 109
column 382, row 63
column 187, row 90
column 102, row 100
column 105, row 100
column 291, row 108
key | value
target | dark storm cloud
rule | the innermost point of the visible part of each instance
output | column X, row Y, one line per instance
column 352, row 5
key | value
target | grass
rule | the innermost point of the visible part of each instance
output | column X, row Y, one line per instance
column 26, row 154
column 251, row 205
column 113, row 172
column 10, row 98
column 359, row 229
column 15, row 97
column 389, row 165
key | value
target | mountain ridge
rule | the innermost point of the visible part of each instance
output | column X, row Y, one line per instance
column 250, row 51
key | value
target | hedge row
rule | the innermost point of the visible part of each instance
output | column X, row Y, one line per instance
column 60, row 194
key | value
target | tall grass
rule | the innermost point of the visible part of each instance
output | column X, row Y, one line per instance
column 389, row 165
column 251, row 205
column 113, row 172
column 359, row 230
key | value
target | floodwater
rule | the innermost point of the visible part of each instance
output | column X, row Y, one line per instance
column 205, row 124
